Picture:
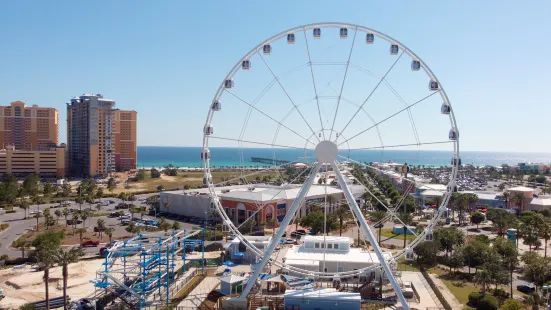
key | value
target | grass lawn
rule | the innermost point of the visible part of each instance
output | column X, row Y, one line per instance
column 407, row 266
column 459, row 288
column 387, row 232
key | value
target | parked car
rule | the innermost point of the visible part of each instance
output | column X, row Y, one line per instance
column 65, row 203
column 35, row 212
column 88, row 243
column 526, row 288
column 289, row 241
column 71, row 222
column 121, row 205
column 125, row 222
column 125, row 216
column 113, row 214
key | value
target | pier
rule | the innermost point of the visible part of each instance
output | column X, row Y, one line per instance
column 269, row 161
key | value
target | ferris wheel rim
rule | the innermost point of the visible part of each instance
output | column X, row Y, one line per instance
column 277, row 37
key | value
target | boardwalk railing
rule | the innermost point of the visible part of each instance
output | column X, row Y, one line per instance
column 435, row 289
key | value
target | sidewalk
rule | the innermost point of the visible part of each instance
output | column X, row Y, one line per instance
column 199, row 294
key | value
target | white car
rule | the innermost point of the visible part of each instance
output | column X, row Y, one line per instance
column 125, row 216
column 35, row 212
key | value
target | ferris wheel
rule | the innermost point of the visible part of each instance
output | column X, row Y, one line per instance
column 327, row 96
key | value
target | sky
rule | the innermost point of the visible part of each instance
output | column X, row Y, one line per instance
column 167, row 59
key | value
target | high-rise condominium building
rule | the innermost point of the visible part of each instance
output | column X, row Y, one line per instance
column 98, row 135
column 28, row 128
column 125, row 139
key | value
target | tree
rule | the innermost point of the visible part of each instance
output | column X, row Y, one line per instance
column 456, row 260
column 342, row 213
column 99, row 193
column 81, row 232
column 75, row 217
column 426, row 252
column 46, row 246
column 448, row 238
column 22, row 244
column 529, row 233
column 58, row 214
column 79, row 200
column 379, row 218
column 176, row 225
column 155, row 174
column 109, row 232
column 111, row 185
column 483, row 278
column 501, row 220
column 132, row 228
column 84, row 216
column 37, row 216
column 37, row 200
column 509, row 254
column 31, row 185
column 273, row 224
column 160, row 188
column 24, row 204
column 475, row 253
column 512, row 304
column 406, row 219
column 100, row 224
column 63, row 259
column 47, row 189
column 518, row 199
column 315, row 220
column 477, row 218
column 66, row 189
column 141, row 175
column 545, row 232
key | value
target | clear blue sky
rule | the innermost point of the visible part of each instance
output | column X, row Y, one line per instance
column 166, row 59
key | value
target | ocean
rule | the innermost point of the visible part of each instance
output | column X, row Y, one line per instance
column 160, row 156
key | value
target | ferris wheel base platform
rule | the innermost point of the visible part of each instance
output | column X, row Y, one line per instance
column 235, row 304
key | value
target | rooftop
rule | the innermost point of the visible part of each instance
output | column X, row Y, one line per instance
column 324, row 293
column 545, row 202
column 432, row 193
column 520, row 189
column 436, row 187
column 355, row 255
column 328, row 239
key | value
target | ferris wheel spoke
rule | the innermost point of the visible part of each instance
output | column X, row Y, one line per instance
column 402, row 145
column 391, row 116
column 373, row 91
column 259, row 143
column 288, row 96
column 369, row 233
column 314, row 82
column 370, row 118
column 343, row 81
column 260, row 171
column 268, row 116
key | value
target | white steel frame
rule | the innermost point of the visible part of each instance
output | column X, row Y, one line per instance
column 384, row 263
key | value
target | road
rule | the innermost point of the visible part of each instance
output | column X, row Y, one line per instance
column 19, row 225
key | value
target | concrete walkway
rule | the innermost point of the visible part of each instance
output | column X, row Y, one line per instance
column 425, row 295
column 198, row 295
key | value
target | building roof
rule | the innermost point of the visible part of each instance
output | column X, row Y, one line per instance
column 324, row 293
column 546, row 202
column 436, row 187
column 355, row 255
column 484, row 195
column 520, row 189
column 267, row 194
column 231, row 278
column 328, row 239
column 432, row 193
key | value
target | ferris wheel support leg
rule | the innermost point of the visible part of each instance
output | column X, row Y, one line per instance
column 279, row 233
column 370, row 236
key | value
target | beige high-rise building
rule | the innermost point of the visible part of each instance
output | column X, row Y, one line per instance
column 28, row 128
column 100, row 139
column 124, row 128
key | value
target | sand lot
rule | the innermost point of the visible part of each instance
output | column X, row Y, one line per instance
column 26, row 285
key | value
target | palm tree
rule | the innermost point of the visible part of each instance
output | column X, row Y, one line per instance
column 101, row 227
column 109, row 232
column 545, row 232
column 37, row 216
column 342, row 212
column 24, row 204
column 79, row 200
column 75, row 217
column 58, row 214
column 81, row 232
column 84, row 216
column 378, row 217
column 63, row 259
column 65, row 213
column 518, row 199
column 483, row 278
column 22, row 244
column 38, row 201
column 46, row 246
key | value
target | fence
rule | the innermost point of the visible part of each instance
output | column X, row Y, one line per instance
column 435, row 289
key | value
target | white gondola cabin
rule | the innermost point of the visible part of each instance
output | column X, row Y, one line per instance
column 207, row 179
column 429, row 236
column 228, row 83
column 369, row 38
column 267, row 49
column 394, row 49
column 344, row 33
column 216, row 105
column 208, row 130
column 246, row 64
column 291, row 38
column 452, row 187
column 446, row 108
column 456, row 161
column 317, row 33
column 415, row 65
column 433, row 85
column 454, row 134
column 205, row 154
column 410, row 255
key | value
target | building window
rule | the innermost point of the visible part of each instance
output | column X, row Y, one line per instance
column 317, row 245
column 330, row 246
column 336, row 246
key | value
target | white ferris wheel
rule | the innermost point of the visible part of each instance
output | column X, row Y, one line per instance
column 326, row 95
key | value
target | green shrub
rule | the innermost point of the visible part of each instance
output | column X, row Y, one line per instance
column 474, row 298
column 4, row 227
column 512, row 304
column 10, row 211
column 488, row 303
column 500, row 293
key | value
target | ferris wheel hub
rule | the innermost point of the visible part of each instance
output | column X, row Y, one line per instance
column 327, row 151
